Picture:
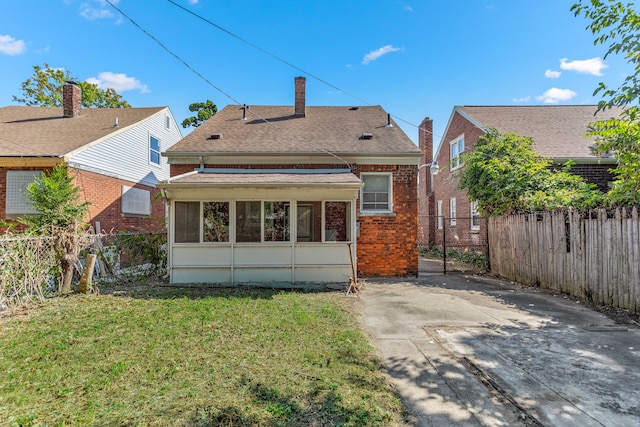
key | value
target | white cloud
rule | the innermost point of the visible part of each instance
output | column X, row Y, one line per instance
column 555, row 95
column 118, row 81
column 523, row 99
column 97, row 9
column 11, row 46
column 372, row 56
column 193, row 1
column 408, row 8
column 592, row 66
column 551, row 74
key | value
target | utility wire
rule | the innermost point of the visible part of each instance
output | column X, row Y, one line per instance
column 193, row 70
column 284, row 61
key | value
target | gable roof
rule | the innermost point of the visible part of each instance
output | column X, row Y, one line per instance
column 276, row 130
column 558, row 131
column 43, row 132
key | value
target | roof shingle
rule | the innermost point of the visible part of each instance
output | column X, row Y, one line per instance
column 275, row 129
column 558, row 131
column 42, row 131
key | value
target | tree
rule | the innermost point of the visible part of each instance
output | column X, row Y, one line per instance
column 44, row 89
column 61, row 216
column 618, row 24
column 205, row 110
column 505, row 175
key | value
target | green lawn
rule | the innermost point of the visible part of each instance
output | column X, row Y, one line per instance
column 192, row 357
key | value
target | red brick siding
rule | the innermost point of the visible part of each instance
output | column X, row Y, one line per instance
column 387, row 245
column 426, row 206
column 446, row 186
column 104, row 193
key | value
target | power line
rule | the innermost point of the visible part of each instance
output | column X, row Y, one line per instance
column 193, row 70
column 284, row 61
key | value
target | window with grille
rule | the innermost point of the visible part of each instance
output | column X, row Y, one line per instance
column 376, row 193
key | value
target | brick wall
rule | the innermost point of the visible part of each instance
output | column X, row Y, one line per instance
column 597, row 174
column 387, row 245
column 446, row 186
column 104, row 193
column 426, row 232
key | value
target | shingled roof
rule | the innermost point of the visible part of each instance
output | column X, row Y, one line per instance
column 277, row 129
column 558, row 131
column 44, row 132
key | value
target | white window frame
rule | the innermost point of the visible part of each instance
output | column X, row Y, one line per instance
column 440, row 217
column 457, row 146
column 16, row 200
column 152, row 151
column 389, row 188
column 452, row 211
column 135, row 201
column 473, row 210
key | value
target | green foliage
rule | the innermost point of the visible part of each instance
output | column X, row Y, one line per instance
column 61, row 217
column 44, row 89
column 618, row 25
column 144, row 253
column 57, row 200
column 622, row 138
column 205, row 110
column 193, row 356
column 505, row 175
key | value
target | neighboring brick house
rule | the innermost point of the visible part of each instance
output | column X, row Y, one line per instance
column 112, row 153
column 279, row 194
column 558, row 132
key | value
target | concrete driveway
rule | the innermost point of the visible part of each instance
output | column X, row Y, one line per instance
column 470, row 351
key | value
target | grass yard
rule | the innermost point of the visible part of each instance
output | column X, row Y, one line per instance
column 192, row 357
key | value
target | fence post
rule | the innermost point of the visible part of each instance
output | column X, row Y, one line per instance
column 488, row 253
column 87, row 274
column 444, row 246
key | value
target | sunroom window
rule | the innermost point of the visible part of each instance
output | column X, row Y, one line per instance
column 276, row 222
column 215, row 221
column 248, row 221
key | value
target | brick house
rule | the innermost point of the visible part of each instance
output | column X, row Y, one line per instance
column 112, row 153
column 282, row 193
column 558, row 132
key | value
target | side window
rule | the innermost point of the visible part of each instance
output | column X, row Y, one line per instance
column 17, row 202
column 456, row 148
column 475, row 216
column 440, row 217
column 376, row 195
column 452, row 211
column 154, row 150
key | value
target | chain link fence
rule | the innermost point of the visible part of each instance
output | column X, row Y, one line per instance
column 30, row 267
column 457, row 245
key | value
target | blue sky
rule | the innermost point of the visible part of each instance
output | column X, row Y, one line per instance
column 415, row 58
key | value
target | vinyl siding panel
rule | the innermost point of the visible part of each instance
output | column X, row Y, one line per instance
column 126, row 155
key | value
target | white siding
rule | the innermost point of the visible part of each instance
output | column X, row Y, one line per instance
column 126, row 155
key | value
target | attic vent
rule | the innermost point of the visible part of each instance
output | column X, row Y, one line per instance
column 366, row 136
column 216, row 136
column 354, row 108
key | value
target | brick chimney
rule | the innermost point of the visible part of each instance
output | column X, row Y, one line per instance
column 300, row 96
column 71, row 99
column 426, row 195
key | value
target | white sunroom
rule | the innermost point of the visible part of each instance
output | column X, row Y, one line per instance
column 234, row 226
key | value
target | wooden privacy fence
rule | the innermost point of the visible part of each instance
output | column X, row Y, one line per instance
column 594, row 255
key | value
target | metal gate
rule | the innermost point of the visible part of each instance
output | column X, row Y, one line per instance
column 455, row 245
